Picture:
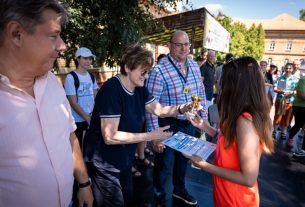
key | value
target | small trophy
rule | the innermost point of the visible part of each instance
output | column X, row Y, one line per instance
column 195, row 102
column 195, row 99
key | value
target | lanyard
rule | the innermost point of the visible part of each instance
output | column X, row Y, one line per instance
column 178, row 71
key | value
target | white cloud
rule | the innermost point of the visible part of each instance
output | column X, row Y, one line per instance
column 214, row 8
column 292, row 3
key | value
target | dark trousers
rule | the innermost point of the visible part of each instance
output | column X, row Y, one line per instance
column 163, row 162
column 299, row 119
column 79, row 132
column 111, row 189
column 209, row 96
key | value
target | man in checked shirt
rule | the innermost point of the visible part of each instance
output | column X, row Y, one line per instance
column 173, row 81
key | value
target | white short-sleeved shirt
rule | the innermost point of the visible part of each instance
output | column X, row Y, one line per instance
column 85, row 93
column 36, row 165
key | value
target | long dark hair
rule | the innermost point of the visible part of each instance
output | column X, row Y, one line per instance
column 243, row 90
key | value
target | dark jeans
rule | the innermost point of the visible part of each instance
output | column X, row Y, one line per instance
column 299, row 118
column 209, row 96
column 79, row 132
column 111, row 189
column 163, row 162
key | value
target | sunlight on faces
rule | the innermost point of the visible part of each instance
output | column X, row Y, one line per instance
column 296, row 64
column 85, row 62
column 288, row 69
column 138, row 75
column 41, row 48
column 180, row 46
column 263, row 66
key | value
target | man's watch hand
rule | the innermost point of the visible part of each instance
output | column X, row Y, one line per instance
column 85, row 184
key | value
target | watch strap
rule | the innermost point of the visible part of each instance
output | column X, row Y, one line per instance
column 85, row 184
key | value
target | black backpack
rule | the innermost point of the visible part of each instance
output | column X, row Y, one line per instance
column 76, row 80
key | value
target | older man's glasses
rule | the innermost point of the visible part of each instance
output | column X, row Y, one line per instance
column 180, row 45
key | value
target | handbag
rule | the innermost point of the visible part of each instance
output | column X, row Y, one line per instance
column 282, row 107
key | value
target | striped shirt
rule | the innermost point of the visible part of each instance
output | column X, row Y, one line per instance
column 166, row 83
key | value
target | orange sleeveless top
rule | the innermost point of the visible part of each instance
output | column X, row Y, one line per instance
column 226, row 193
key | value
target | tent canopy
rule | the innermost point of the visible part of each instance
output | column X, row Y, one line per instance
column 192, row 22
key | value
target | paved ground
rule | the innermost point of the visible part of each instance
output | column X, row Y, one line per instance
column 281, row 182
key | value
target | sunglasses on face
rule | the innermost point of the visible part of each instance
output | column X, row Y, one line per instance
column 144, row 73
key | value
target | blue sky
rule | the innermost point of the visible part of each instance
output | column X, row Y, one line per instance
column 251, row 9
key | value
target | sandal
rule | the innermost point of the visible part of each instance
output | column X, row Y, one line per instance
column 135, row 172
column 145, row 162
column 148, row 152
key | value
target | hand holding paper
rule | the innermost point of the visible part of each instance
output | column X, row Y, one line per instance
column 189, row 145
column 198, row 161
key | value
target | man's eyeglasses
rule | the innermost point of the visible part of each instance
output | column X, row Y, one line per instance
column 180, row 45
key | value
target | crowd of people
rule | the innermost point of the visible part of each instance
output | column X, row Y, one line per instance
column 76, row 145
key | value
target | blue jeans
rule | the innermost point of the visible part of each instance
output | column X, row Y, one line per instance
column 164, row 160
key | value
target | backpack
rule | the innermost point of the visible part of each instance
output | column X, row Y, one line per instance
column 76, row 80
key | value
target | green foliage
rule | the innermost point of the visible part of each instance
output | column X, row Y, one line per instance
column 107, row 26
column 302, row 14
column 244, row 42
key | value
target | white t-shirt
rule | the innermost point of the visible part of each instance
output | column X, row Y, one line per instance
column 85, row 93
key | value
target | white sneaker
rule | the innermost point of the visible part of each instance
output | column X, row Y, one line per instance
column 300, row 153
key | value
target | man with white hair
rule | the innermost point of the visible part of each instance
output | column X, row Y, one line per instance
column 296, row 67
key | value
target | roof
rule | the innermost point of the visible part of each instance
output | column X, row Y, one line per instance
column 281, row 22
column 192, row 22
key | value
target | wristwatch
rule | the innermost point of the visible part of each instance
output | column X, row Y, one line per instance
column 86, row 184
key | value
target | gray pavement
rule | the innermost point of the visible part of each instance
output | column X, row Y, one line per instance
column 281, row 182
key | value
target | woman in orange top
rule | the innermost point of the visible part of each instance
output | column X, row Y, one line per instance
column 244, row 133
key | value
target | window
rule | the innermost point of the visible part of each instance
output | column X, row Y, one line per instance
column 289, row 46
column 269, row 61
column 272, row 45
column 286, row 61
column 304, row 49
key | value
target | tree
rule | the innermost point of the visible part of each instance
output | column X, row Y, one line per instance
column 244, row 41
column 255, row 42
column 302, row 14
column 107, row 26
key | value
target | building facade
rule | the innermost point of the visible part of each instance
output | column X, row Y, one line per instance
column 284, row 39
